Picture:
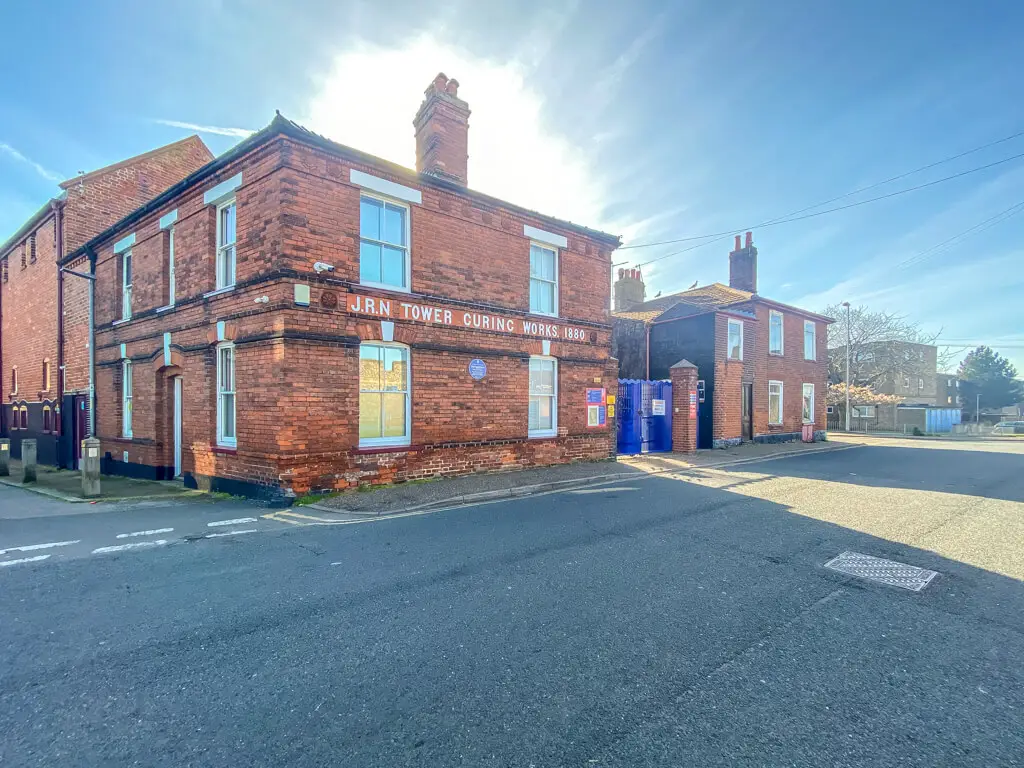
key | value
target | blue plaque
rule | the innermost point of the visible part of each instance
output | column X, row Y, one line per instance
column 477, row 369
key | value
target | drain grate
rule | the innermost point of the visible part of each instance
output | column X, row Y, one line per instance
column 883, row 571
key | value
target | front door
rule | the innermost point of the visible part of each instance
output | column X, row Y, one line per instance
column 177, row 426
column 748, row 411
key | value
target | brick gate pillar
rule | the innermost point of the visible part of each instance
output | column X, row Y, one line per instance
column 684, row 407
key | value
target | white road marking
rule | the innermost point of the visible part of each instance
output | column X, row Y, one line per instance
column 154, row 532
column 35, row 559
column 237, row 521
column 134, row 545
column 30, row 547
column 232, row 533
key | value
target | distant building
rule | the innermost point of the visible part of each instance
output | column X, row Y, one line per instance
column 44, row 314
column 762, row 365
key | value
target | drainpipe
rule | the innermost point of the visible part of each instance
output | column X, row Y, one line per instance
column 92, row 343
column 647, row 354
column 58, row 224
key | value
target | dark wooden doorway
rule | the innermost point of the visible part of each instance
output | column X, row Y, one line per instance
column 748, row 411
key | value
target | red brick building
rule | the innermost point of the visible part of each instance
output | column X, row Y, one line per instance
column 335, row 319
column 762, row 365
column 43, row 314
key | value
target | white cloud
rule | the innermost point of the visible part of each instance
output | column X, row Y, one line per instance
column 49, row 175
column 214, row 129
column 370, row 95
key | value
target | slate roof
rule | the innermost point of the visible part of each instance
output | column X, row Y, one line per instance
column 706, row 297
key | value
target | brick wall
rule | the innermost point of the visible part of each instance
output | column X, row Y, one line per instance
column 297, row 367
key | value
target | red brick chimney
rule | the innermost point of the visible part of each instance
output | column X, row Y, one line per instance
column 442, row 131
column 743, row 265
column 629, row 290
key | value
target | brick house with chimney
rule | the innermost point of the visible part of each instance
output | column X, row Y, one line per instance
column 44, row 313
column 762, row 365
column 336, row 319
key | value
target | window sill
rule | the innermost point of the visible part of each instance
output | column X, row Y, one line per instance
column 543, row 314
column 385, row 287
column 366, row 450
column 122, row 321
column 165, row 308
column 776, row 354
column 542, row 435
column 229, row 450
column 218, row 291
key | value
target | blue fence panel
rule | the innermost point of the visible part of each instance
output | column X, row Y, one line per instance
column 639, row 429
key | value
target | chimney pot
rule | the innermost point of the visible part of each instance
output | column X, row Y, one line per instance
column 442, row 131
column 737, row 243
column 621, row 272
column 750, row 239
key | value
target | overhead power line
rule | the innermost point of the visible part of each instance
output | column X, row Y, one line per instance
column 789, row 219
column 838, row 197
column 936, row 249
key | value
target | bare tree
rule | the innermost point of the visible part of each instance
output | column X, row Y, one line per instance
column 878, row 346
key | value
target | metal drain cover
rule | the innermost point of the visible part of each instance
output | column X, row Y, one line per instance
column 883, row 571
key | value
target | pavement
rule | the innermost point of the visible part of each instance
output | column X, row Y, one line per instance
column 452, row 491
column 672, row 619
column 66, row 485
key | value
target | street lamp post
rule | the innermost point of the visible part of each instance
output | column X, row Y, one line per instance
column 847, row 305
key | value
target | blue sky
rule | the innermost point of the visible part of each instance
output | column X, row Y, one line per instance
column 653, row 120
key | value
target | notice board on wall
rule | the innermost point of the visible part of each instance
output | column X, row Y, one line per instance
column 597, row 407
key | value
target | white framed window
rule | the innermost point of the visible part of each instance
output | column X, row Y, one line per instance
column 863, row 411
column 774, row 402
column 920, row 383
column 226, row 429
column 226, row 235
column 775, row 333
column 808, row 404
column 543, row 419
column 735, row 340
column 170, row 266
column 385, row 415
column 126, row 284
column 906, row 382
column 543, row 280
column 810, row 340
column 126, row 398
column 383, row 243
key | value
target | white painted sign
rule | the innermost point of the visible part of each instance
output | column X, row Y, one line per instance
column 657, row 407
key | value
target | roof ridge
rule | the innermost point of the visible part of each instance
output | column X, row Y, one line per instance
column 134, row 159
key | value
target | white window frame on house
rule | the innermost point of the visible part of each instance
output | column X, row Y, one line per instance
column 906, row 383
column 170, row 261
column 728, row 336
column 553, row 250
column 920, row 383
column 779, row 386
column 812, row 328
column 803, row 403
column 553, row 396
column 227, row 255
column 407, row 275
column 127, row 277
column 226, row 390
column 772, row 316
column 390, row 440
column 127, row 387
column 862, row 411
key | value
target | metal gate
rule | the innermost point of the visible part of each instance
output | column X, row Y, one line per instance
column 644, row 411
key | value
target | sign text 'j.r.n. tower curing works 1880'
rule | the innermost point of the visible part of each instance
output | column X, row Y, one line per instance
column 395, row 309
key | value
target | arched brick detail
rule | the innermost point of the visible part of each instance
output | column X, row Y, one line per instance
column 177, row 360
column 406, row 334
column 369, row 330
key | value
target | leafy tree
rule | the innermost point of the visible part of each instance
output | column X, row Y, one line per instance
column 990, row 375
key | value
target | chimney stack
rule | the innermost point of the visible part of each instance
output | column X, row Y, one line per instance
column 442, row 131
column 629, row 290
column 743, row 265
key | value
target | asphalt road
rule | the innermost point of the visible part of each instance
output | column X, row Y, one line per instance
column 666, row 621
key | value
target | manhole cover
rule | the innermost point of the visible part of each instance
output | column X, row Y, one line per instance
column 883, row 571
